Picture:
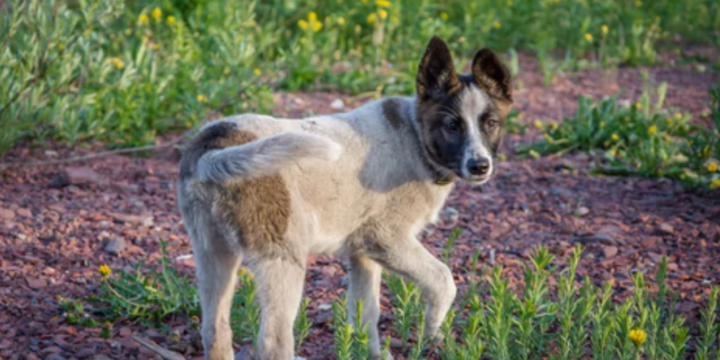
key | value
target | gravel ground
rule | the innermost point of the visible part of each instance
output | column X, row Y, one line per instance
column 59, row 223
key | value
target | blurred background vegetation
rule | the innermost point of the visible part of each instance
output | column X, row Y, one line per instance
column 122, row 72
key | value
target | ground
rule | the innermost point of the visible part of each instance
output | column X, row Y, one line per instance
column 55, row 231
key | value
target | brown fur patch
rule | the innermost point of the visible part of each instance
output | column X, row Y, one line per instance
column 392, row 111
column 257, row 209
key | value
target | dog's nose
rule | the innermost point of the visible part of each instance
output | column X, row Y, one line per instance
column 478, row 166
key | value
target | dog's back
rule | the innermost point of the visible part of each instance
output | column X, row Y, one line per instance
column 324, row 177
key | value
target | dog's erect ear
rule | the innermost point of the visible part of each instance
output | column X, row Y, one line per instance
column 436, row 75
column 491, row 75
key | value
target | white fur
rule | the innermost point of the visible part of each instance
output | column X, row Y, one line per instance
column 265, row 157
column 474, row 103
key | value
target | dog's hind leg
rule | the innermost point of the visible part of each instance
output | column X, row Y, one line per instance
column 280, row 284
column 217, row 273
column 365, row 277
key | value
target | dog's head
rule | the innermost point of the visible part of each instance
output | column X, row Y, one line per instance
column 462, row 117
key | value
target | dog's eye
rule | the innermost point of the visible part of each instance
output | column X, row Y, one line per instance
column 452, row 125
column 491, row 124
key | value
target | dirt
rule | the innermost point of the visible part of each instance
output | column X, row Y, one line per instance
column 59, row 223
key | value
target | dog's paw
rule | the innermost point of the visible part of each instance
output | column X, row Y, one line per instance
column 433, row 344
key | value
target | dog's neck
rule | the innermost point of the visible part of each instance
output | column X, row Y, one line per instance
column 440, row 175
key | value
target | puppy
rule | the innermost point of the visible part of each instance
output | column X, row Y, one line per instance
column 268, row 192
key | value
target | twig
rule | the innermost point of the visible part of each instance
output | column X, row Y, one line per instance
column 101, row 154
column 164, row 353
column 170, row 143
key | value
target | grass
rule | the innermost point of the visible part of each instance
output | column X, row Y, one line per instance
column 122, row 72
column 643, row 138
column 554, row 315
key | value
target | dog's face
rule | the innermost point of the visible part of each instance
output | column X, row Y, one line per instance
column 462, row 116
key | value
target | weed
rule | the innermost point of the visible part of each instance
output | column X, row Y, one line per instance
column 643, row 138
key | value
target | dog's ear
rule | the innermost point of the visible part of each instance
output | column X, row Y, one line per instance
column 436, row 75
column 491, row 75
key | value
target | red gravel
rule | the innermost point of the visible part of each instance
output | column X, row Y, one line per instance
column 52, row 239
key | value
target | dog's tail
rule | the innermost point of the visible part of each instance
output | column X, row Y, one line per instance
column 265, row 156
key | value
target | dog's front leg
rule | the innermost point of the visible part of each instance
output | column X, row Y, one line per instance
column 410, row 259
column 365, row 276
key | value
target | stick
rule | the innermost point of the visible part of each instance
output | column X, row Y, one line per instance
column 164, row 353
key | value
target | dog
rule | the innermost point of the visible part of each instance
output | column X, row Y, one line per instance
column 268, row 192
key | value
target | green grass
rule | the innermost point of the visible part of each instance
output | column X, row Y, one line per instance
column 123, row 72
column 639, row 139
column 555, row 314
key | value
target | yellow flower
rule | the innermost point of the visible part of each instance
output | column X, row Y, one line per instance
column 143, row 19
column 670, row 121
column 395, row 19
column 638, row 3
column 312, row 22
column 341, row 21
column 257, row 72
column 678, row 116
column 61, row 46
column 170, row 20
column 156, row 13
column 497, row 25
column 104, row 270
column 202, row 98
column 371, row 18
column 604, row 29
column 510, row 3
column 382, row 3
column 588, row 37
column 358, row 28
column 303, row 40
column 615, row 137
column 382, row 13
column 638, row 105
column 652, row 130
column 251, row 22
column 444, row 15
column 539, row 124
column 715, row 184
column 712, row 166
column 637, row 336
column 548, row 137
column 119, row 64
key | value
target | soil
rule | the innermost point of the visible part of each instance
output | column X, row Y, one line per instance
column 59, row 223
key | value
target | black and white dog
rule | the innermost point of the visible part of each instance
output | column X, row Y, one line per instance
column 268, row 192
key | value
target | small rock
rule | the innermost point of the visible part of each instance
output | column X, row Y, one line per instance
column 116, row 246
column 337, row 104
column 582, row 211
column 324, row 307
column 76, row 176
column 101, row 357
column 599, row 237
column 6, row 214
column 125, row 331
column 37, row 283
column 51, row 153
column 610, row 251
column 24, row 212
column 145, row 220
column 664, row 229
column 449, row 215
column 650, row 242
